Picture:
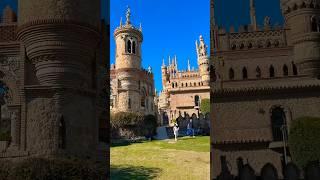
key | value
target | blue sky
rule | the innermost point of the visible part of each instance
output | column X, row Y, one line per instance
column 170, row 27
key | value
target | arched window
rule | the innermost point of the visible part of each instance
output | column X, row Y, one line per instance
column 172, row 85
column 134, row 47
column 258, row 72
column 278, row 121
column 129, row 103
column 196, row 100
column 194, row 84
column 186, row 84
column 250, row 45
column 62, row 134
column 241, row 46
column 181, row 84
column 294, row 69
column 233, row 47
column 268, row 43
column 212, row 74
column 176, row 85
column 129, row 46
column 315, row 24
column 143, row 101
column 244, row 73
column 271, row 71
column 231, row 74
column 285, row 70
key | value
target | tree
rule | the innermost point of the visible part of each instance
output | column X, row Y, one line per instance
column 205, row 106
column 304, row 140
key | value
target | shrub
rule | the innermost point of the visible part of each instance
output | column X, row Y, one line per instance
column 130, row 125
column 5, row 136
column 205, row 106
column 149, row 125
column 304, row 140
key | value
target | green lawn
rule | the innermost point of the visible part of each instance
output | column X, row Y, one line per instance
column 189, row 158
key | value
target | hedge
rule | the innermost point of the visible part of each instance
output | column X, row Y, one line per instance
column 304, row 140
column 129, row 125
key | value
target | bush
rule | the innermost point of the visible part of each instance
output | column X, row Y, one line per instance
column 130, row 125
column 52, row 169
column 5, row 136
column 304, row 140
column 205, row 106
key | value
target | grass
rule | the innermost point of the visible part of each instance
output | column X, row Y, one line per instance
column 189, row 158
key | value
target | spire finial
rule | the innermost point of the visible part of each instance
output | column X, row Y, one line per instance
column 253, row 15
column 140, row 27
column 163, row 64
column 189, row 67
column 121, row 22
column 128, row 15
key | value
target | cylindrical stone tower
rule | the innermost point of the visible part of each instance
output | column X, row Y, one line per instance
column 303, row 31
column 128, row 65
column 61, row 39
column 203, row 61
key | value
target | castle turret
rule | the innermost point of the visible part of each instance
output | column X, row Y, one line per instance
column 61, row 41
column 164, row 73
column 302, row 21
column 128, row 42
column 203, row 61
column 253, row 15
column 8, row 16
column 128, row 67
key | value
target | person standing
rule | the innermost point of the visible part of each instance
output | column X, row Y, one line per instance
column 176, row 131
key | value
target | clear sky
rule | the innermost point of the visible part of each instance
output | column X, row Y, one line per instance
column 170, row 27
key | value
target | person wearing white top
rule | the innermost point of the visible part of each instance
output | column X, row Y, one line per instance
column 175, row 131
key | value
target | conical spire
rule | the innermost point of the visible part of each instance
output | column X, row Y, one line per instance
column 189, row 67
column 163, row 64
column 128, row 15
column 253, row 15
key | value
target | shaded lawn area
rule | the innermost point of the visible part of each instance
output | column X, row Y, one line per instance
column 189, row 158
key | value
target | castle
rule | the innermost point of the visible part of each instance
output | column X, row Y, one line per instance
column 132, row 88
column 183, row 90
column 51, row 59
column 263, row 79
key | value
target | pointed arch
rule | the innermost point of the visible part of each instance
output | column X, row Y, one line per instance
column 129, row 46
column 258, row 72
column 231, row 74
column 294, row 69
column 134, row 47
column 62, row 133
column 271, row 71
column 244, row 73
column 285, row 70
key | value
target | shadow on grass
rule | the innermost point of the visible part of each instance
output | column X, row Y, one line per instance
column 133, row 173
column 120, row 143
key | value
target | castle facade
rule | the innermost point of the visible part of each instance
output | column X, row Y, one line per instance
column 183, row 90
column 265, row 77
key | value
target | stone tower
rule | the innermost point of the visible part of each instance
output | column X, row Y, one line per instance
column 128, row 64
column 203, row 61
column 302, row 19
column 8, row 16
column 61, row 42
column 164, row 73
